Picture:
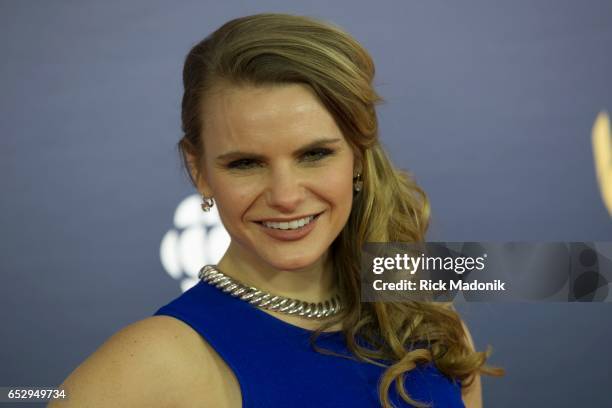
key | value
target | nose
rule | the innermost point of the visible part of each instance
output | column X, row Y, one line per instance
column 285, row 191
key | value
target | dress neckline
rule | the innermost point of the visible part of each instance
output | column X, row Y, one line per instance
column 266, row 316
column 290, row 325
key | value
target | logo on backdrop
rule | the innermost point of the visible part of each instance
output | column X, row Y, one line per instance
column 602, row 154
column 197, row 239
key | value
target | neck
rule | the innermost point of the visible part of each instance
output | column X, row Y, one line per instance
column 314, row 283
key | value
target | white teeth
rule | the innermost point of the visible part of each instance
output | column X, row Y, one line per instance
column 295, row 224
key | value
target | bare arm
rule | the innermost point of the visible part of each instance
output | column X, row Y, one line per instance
column 472, row 395
column 148, row 363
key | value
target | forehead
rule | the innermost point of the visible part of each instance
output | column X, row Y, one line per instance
column 264, row 117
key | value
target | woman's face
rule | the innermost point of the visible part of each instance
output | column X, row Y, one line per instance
column 274, row 158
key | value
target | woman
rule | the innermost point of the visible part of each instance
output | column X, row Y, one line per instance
column 280, row 133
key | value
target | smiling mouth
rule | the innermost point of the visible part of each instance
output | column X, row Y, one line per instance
column 289, row 225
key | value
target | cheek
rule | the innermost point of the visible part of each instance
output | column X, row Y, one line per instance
column 232, row 196
column 338, row 186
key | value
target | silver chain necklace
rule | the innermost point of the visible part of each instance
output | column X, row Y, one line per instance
column 213, row 276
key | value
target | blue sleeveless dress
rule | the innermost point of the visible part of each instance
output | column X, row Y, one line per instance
column 276, row 367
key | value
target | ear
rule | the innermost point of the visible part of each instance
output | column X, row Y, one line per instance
column 198, row 174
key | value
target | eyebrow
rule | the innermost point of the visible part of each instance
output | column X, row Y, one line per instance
column 235, row 154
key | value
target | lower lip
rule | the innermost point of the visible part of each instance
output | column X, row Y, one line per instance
column 290, row 235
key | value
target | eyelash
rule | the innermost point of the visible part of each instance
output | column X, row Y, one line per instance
column 315, row 155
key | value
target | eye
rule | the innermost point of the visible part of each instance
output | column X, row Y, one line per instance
column 317, row 154
column 242, row 164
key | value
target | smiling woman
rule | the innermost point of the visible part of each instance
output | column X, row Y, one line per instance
column 267, row 166
column 281, row 134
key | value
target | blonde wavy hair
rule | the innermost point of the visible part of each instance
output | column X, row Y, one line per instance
column 275, row 49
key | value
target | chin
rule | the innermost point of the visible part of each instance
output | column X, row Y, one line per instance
column 291, row 264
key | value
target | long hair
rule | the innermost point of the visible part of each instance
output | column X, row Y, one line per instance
column 275, row 49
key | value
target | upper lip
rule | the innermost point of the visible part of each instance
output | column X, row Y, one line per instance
column 288, row 219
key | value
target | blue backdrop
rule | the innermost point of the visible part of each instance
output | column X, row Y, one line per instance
column 489, row 104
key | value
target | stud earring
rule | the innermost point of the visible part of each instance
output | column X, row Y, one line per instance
column 207, row 203
column 357, row 183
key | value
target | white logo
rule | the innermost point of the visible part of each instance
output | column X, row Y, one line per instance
column 198, row 238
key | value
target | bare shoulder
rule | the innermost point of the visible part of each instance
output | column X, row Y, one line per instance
column 154, row 362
